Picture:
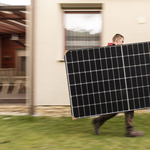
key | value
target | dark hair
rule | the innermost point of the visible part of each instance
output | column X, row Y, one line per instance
column 117, row 36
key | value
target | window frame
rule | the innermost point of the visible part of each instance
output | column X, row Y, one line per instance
column 81, row 12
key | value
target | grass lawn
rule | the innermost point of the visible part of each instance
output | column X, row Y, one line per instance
column 63, row 133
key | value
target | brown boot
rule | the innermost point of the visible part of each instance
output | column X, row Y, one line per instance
column 100, row 121
column 132, row 133
column 97, row 125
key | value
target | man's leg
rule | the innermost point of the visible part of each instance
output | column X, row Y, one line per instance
column 130, row 132
column 100, row 121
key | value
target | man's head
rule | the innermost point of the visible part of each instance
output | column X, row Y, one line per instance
column 118, row 39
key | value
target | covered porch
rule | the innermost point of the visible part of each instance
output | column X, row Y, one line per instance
column 13, row 54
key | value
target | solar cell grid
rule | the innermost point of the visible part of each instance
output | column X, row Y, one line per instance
column 108, row 79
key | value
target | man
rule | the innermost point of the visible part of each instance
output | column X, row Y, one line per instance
column 118, row 39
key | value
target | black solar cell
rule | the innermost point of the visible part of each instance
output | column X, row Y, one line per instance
column 109, row 79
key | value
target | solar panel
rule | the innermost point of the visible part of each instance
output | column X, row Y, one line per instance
column 108, row 79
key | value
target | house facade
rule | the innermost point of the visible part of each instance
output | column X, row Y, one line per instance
column 47, row 40
column 129, row 18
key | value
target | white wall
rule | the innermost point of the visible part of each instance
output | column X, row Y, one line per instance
column 119, row 16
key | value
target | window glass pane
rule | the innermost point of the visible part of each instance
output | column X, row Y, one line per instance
column 82, row 30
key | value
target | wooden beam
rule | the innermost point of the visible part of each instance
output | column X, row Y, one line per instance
column 12, row 101
column 13, row 24
column 9, row 35
column 4, row 16
column 6, row 26
column 20, row 21
column 12, row 8
column 19, row 42
column 16, row 19
column 20, row 14
column 4, row 31
column 10, row 30
column 22, row 34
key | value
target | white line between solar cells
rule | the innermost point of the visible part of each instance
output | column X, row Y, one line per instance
column 141, row 76
column 81, row 86
column 86, row 86
column 74, row 82
column 125, row 78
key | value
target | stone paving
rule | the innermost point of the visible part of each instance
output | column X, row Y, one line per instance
column 53, row 111
column 46, row 110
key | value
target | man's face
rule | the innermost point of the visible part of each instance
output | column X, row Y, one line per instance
column 119, row 41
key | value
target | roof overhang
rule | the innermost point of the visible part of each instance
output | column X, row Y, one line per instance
column 12, row 20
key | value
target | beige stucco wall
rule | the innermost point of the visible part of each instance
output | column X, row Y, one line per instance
column 119, row 16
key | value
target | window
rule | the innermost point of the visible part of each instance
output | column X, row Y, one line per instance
column 21, row 62
column 82, row 29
